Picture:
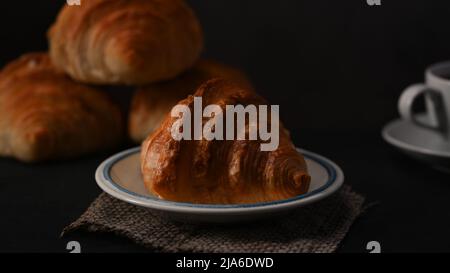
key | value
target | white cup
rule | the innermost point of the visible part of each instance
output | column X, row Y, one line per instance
column 436, row 91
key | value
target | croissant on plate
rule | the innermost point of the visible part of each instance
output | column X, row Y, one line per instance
column 151, row 103
column 221, row 171
column 125, row 41
column 46, row 115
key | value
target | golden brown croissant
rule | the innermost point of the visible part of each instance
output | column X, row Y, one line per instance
column 125, row 41
column 45, row 115
column 151, row 103
column 221, row 171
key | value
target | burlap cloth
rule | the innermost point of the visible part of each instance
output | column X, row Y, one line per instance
column 319, row 227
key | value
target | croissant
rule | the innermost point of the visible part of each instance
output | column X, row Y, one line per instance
column 45, row 115
column 221, row 171
column 125, row 41
column 151, row 103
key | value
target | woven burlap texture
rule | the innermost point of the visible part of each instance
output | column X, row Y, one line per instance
column 316, row 228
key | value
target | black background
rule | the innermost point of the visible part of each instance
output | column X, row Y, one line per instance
column 336, row 68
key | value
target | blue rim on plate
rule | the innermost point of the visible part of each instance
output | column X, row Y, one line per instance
column 334, row 182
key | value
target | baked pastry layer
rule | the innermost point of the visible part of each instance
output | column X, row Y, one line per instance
column 46, row 115
column 125, row 41
column 151, row 103
column 221, row 171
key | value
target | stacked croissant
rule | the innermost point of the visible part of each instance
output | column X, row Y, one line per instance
column 54, row 105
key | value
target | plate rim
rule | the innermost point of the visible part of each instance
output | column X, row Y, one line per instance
column 385, row 133
column 106, row 183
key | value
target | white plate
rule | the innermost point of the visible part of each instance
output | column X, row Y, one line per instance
column 420, row 143
column 120, row 176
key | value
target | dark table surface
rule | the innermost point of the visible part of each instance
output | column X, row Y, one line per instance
column 336, row 68
column 37, row 201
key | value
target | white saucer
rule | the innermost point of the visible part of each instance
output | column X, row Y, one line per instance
column 420, row 143
column 120, row 176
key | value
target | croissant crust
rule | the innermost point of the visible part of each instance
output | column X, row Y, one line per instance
column 125, row 41
column 46, row 115
column 151, row 103
column 221, row 172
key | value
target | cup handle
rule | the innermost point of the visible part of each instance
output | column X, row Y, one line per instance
column 434, row 106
